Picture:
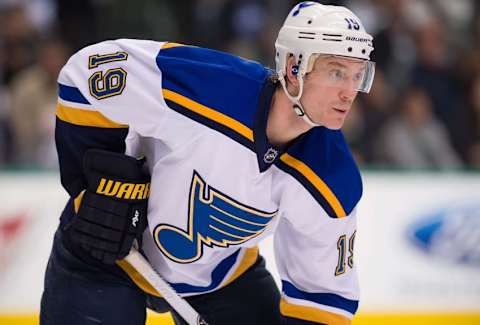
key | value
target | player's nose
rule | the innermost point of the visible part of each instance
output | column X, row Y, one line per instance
column 347, row 95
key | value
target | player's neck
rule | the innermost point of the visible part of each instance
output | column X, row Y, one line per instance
column 283, row 124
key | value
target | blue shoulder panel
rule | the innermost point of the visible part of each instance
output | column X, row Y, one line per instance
column 214, row 88
column 71, row 94
column 321, row 161
column 327, row 299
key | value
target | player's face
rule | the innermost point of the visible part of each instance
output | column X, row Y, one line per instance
column 330, row 88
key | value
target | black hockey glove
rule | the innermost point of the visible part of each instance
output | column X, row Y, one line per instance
column 113, row 210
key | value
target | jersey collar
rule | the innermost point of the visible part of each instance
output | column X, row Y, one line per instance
column 267, row 153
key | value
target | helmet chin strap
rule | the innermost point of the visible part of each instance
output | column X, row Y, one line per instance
column 297, row 106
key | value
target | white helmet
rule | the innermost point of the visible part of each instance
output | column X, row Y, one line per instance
column 311, row 29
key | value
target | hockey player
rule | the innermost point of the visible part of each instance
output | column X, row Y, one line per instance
column 236, row 152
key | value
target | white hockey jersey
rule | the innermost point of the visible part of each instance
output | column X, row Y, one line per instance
column 218, row 187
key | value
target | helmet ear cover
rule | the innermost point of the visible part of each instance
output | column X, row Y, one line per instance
column 295, row 70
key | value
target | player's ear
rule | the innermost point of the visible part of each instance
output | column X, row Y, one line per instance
column 292, row 70
column 292, row 74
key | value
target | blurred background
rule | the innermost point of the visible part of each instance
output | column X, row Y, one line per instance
column 416, row 136
column 423, row 111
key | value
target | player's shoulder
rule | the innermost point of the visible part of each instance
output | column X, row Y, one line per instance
column 212, row 61
column 217, row 83
column 135, row 54
column 322, row 162
column 116, row 50
column 111, row 78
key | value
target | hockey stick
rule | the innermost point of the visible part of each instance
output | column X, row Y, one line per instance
column 181, row 306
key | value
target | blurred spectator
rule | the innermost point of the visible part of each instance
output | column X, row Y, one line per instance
column 457, row 16
column 147, row 19
column 5, row 132
column 415, row 138
column 246, row 28
column 367, row 118
column 78, row 22
column 18, row 39
column 353, row 130
column 475, row 23
column 206, row 21
column 470, row 123
column 33, row 96
column 394, row 46
column 467, row 121
column 434, row 71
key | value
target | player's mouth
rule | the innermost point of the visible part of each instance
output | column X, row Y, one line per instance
column 340, row 110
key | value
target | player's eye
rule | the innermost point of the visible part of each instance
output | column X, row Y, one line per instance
column 357, row 76
column 336, row 74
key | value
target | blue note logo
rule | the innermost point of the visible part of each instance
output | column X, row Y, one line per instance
column 214, row 219
column 452, row 234
column 302, row 5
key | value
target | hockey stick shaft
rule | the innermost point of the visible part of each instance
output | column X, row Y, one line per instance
column 181, row 306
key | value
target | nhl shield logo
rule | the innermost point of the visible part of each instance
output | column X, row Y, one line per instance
column 270, row 155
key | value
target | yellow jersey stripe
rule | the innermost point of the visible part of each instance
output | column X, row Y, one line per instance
column 85, row 117
column 249, row 258
column 312, row 314
column 209, row 113
column 230, row 235
column 77, row 201
column 232, row 226
column 319, row 184
column 171, row 44
column 139, row 280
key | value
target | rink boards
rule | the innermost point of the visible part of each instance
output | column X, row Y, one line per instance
column 417, row 248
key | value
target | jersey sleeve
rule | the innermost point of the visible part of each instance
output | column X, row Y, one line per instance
column 107, row 93
column 314, row 255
